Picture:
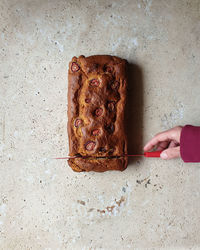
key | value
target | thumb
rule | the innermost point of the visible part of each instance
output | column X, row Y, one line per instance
column 170, row 153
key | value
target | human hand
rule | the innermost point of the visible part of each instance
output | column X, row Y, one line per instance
column 168, row 141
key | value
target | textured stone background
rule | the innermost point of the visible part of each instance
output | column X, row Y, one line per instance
column 154, row 204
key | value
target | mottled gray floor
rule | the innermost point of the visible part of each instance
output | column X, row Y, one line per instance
column 154, row 204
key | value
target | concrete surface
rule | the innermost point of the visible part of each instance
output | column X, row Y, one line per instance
column 154, row 204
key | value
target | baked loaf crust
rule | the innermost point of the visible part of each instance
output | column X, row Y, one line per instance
column 96, row 101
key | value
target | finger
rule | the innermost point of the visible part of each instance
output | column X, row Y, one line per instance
column 173, row 144
column 162, row 145
column 161, row 137
column 170, row 153
column 168, row 135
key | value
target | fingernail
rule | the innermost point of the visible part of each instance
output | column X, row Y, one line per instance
column 163, row 156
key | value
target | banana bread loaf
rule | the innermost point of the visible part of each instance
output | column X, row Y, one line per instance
column 96, row 101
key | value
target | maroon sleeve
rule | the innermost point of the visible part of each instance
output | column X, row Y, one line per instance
column 190, row 144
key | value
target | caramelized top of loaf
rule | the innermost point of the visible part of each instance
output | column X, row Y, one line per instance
column 96, row 99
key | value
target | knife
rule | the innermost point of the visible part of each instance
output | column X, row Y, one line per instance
column 153, row 154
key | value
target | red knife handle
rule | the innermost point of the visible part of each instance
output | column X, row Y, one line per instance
column 153, row 154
